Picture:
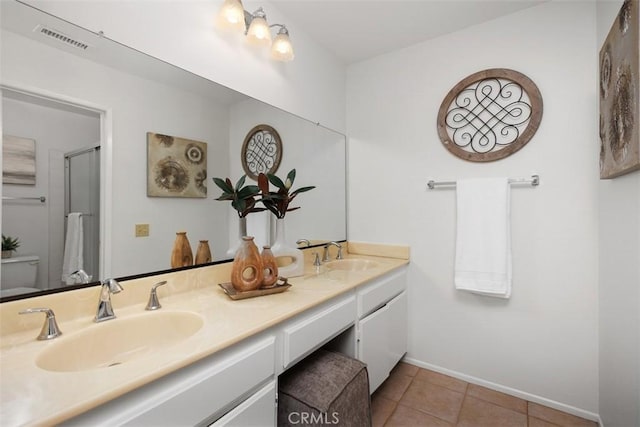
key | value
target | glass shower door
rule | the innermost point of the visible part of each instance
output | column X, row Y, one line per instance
column 82, row 194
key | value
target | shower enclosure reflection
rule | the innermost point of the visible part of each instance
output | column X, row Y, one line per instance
column 69, row 179
column 82, row 211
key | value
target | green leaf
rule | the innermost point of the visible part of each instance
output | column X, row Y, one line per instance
column 248, row 191
column 240, row 182
column 291, row 176
column 303, row 190
column 223, row 185
column 277, row 182
column 240, row 205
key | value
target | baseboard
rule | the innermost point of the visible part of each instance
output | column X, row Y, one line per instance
column 508, row 390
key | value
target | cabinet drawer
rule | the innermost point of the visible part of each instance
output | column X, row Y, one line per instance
column 379, row 292
column 258, row 410
column 313, row 330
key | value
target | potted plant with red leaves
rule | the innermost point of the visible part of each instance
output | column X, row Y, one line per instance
column 279, row 203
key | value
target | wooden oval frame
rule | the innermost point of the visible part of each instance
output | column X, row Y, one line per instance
column 529, row 88
column 250, row 135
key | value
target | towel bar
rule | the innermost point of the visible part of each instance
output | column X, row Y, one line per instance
column 534, row 181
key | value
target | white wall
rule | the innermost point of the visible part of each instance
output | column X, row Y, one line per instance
column 138, row 106
column 619, row 292
column 541, row 344
column 183, row 33
column 40, row 226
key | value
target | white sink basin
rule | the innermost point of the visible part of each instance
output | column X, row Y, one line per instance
column 118, row 341
column 351, row 264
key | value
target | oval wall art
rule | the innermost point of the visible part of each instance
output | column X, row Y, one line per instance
column 490, row 115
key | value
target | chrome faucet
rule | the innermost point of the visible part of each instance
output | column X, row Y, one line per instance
column 325, row 256
column 305, row 241
column 154, row 302
column 80, row 276
column 105, row 310
column 50, row 329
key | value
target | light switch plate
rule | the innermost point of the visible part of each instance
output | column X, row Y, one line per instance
column 142, row 230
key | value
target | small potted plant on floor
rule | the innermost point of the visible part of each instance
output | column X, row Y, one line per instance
column 9, row 245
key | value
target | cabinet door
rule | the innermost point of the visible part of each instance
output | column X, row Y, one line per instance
column 398, row 324
column 258, row 410
column 382, row 339
column 373, row 344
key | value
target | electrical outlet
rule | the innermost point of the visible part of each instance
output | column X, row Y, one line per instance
column 142, row 230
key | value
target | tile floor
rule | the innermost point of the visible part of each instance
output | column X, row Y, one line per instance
column 413, row 396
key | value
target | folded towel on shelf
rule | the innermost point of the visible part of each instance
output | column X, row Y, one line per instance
column 73, row 256
column 483, row 240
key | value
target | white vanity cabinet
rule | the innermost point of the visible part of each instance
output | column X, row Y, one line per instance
column 237, row 386
column 381, row 331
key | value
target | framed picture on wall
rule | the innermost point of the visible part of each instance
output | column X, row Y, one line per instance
column 176, row 167
column 619, row 95
column 18, row 160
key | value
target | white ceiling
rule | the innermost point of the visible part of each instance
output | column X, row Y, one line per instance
column 355, row 30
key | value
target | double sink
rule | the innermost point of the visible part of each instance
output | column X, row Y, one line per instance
column 116, row 342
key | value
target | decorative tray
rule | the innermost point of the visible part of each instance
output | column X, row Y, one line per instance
column 280, row 286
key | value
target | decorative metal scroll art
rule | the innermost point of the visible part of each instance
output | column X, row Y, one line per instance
column 490, row 115
column 261, row 151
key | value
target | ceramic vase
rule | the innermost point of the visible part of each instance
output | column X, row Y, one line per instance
column 203, row 254
column 247, row 272
column 269, row 267
column 181, row 255
column 242, row 231
column 290, row 258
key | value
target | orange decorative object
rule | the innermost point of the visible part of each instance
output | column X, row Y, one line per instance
column 181, row 256
column 247, row 271
column 203, row 254
column 269, row 266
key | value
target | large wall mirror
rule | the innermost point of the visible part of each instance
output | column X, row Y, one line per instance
column 80, row 106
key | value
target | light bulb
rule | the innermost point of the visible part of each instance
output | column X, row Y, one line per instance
column 282, row 50
column 231, row 15
column 258, row 32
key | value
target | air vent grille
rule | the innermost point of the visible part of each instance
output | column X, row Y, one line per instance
column 57, row 35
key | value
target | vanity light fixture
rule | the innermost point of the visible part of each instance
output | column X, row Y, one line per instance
column 232, row 15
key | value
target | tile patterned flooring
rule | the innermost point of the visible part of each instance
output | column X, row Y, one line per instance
column 413, row 397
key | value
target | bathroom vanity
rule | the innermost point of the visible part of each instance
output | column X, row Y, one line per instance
column 225, row 368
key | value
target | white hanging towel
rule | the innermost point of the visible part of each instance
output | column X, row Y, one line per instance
column 72, row 260
column 483, row 241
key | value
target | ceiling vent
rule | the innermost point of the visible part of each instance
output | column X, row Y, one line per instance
column 57, row 35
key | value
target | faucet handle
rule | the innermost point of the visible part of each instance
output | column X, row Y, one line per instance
column 316, row 259
column 154, row 302
column 325, row 253
column 50, row 327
